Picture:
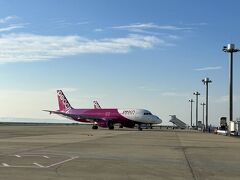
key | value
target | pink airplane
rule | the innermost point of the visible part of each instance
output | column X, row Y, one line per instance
column 105, row 118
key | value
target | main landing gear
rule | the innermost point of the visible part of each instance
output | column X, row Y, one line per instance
column 94, row 127
column 110, row 125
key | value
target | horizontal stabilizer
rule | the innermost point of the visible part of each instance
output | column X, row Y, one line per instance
column 75, row 116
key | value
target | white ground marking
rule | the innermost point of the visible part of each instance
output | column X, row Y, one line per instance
column 62, row 162
column 39, row 165
column 19, row 166
column 5, row 165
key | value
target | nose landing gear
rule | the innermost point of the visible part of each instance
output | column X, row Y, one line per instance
column 139, row 127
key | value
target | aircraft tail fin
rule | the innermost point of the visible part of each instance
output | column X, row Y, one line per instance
column 96, row 105
column 63, row 103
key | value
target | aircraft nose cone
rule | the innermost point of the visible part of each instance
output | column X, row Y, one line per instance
column 158, row 119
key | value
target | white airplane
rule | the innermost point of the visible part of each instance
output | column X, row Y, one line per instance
column 97, row 106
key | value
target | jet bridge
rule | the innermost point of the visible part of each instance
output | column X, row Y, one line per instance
column 178, row 122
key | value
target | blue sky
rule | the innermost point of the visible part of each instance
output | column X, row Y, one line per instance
column 143, row 54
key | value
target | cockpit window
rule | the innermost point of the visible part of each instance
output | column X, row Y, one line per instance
column 148, row 113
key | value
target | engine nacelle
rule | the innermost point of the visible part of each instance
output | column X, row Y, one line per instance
column 106, row 123
column 102, row 123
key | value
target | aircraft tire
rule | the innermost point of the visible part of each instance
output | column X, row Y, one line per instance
column 94, row 127
column 111, row 127
column 139, row 127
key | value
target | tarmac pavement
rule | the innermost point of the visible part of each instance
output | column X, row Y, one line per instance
column 76, row 152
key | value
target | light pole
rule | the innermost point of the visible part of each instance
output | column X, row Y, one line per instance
column 203, row 104
column 206, row 81
column 196, row 94
column 191, row 101
column 230, row 48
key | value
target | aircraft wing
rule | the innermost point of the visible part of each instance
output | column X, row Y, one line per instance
column 75, row 116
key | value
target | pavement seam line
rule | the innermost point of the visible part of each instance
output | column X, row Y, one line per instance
column 187, row 160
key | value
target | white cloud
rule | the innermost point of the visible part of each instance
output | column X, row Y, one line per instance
column 11, row 27
column 31, row 47
column 135, row 30
column 7, row 19
column 83, row 23
column 175, row 37
column 10, row 23
column 98, row 30
column 155, row 30
column 151, row 26
column 208, row 68
column 136, row 26
column 63, row 23
column 198, row 24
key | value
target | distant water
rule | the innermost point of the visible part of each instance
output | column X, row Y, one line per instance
column 35, row 120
